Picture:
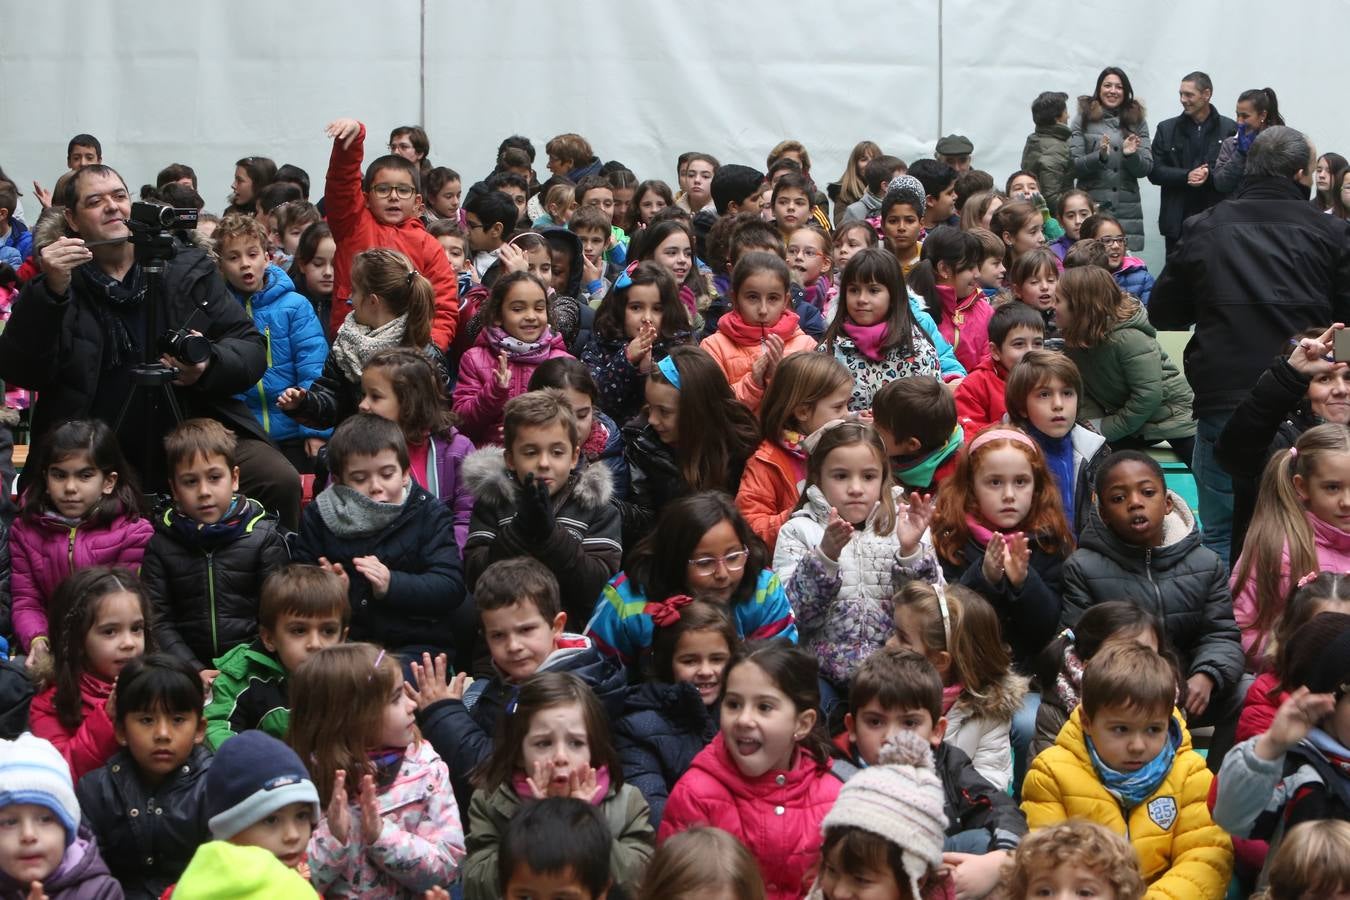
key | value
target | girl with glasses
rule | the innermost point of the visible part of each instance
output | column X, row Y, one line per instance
column 1130, row 272
column 702, row 547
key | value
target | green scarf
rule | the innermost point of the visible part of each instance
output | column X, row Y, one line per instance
column 919, row 475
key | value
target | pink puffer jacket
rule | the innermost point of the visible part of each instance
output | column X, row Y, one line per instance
column 776, row 816
column 44, row 551
column 479, row 399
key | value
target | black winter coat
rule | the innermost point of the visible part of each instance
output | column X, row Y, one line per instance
column 205, row 583
column 973, row 803
column 147, row 837
column 1028, row 615
column 663, row 727
column 59, row 346
column 1251, row 273
column 1183, row 583
column 1179, row 145
column 462, row 731
column 1269, row 420
column 426, row 582
column 6, row 591
column 333, row 398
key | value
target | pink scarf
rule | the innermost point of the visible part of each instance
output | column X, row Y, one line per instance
column 950, row 694
column 869, row 339
column 595, row 444
column 521, row 783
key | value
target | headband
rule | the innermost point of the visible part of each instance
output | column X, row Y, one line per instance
column 1006, row 434
column 946, row 613
column 667, row 367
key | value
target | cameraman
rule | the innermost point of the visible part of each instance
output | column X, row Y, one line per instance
column 77, row 330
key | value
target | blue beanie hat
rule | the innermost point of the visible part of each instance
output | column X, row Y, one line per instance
column 252, row 776
column 33, row 771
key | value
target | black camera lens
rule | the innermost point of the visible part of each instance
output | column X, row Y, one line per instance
column 189, row 348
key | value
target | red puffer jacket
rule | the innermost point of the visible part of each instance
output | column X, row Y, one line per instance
column 980, row 397
column 776, row 816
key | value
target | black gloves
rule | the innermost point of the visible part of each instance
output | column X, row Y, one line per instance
column 534, row 512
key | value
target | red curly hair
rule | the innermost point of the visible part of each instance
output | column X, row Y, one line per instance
column 1044, row 524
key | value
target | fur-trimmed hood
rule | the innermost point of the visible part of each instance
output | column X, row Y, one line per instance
column 1090, row 109
column 999, row 701
column 484, row 471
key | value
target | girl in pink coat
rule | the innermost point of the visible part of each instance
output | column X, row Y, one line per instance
column 82, row 510
column 392, row 826
column 99, row 617
column 498, row 367
column 766, row 777
column 1301, row 526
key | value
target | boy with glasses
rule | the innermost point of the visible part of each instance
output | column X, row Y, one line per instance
column 379, row 210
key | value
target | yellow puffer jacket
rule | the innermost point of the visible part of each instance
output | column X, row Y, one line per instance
column 1182, row 853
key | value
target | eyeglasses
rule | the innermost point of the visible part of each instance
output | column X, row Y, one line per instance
column 1117, row 241
column 472, row 224
column 707, row 565
column 404, row 191
column 808, row 252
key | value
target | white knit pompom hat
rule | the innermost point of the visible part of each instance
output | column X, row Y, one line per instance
column 900, row 799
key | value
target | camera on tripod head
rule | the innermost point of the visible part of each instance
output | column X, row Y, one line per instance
column 153, row 216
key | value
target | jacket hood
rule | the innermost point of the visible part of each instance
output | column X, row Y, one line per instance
column 1057, row 130
column 1138, row 321
column 1129, row 264
column 485, row 472
column 576, row 654
column 1000, row 700
column 561, row 239
column 1086, row 442
column 1180, row 536
column 1129, row 115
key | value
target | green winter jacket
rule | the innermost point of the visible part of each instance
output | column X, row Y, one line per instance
column 249, row 693
column 1046, row 155
column 1130, row 386
column 624, row 811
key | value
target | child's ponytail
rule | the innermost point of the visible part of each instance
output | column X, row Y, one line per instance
column 944, row 245
column 404, row 290
column 1281, row 520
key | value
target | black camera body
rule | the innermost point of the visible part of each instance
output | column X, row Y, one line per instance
column 152, row 216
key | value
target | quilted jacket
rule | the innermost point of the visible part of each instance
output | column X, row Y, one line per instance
column 1182, row 854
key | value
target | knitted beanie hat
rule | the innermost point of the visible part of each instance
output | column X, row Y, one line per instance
column 252, row 776
column 33, row 771
column 899, row 799
column 904, row 189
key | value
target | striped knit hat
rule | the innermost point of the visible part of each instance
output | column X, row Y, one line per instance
column 901, row 800
column 33, row 771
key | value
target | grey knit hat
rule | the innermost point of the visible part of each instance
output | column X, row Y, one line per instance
column 904, row 189
column 899, row 799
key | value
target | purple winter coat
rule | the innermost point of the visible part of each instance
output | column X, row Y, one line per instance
column 82, row 875
column 43, row 551
column 448, row 449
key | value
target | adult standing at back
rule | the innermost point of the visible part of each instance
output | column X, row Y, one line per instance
column 1249, row 274
column 1185, row 150
column 1257, row 110
column 1109, row 145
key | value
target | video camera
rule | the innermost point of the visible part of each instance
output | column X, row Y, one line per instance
column 154, row 216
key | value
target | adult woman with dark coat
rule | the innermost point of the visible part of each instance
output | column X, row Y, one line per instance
column 1110, row 149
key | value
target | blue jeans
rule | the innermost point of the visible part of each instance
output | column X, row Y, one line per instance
column 976, row 841
column 1214, row 486
column 1022, row 730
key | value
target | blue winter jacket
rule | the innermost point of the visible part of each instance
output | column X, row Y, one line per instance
column 1134, row 278
column 19, row 237
column 296, row 351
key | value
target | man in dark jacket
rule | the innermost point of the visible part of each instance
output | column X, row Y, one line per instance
column 1184, row 152
column 77, row 330
column 1249, row 274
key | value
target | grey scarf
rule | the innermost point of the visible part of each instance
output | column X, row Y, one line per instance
column 349, row 513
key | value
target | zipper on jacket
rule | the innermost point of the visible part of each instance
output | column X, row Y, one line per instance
column 262, row 393
column 211, row 600
column 1157, row 592
column 70, row 547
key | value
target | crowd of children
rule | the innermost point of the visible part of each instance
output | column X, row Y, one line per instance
column 724, row 541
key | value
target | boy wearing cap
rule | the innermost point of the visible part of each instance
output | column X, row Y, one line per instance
column 42, row 842
column 258, row 794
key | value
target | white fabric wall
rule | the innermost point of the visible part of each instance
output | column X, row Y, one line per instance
column 208, row 82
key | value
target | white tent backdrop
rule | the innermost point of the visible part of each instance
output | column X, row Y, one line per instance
column 209, row 82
